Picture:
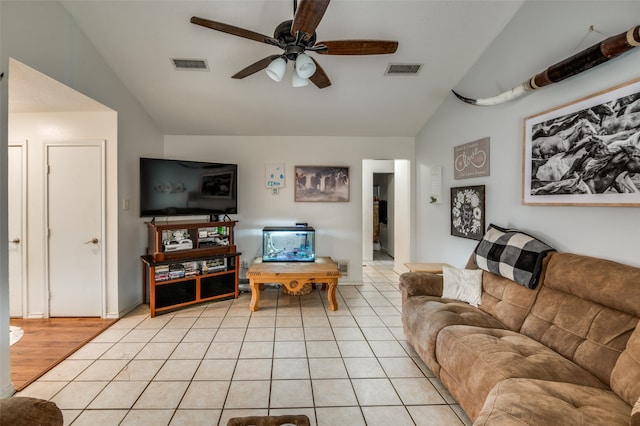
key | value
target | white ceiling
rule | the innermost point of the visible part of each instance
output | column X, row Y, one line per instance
column 138, row 39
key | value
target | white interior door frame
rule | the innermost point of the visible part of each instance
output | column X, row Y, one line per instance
column 22, row 145
column 103, row 196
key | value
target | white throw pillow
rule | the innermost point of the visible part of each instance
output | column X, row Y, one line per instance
column 462, row 284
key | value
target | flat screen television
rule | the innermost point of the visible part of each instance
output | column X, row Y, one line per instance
column 187, row 188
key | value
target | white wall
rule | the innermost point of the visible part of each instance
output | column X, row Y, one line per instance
column 338, row 225
column 540, row 34
column 42, row 35
column 37, row 129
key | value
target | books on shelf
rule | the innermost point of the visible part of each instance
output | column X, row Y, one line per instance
column 176, row 271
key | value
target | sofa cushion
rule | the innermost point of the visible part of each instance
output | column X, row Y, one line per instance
column 473, row 360
column 625, row 377
column 462, row 284
column 586, row 311
column 423, row 317
column 539, row 402
column 512, row 254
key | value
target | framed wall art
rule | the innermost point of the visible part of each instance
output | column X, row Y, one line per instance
column 322, row 183
column 471, row 159
column 467, row 212
column 586, row 152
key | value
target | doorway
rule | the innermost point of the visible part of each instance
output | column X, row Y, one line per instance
column 75, row 194
column 17, row 219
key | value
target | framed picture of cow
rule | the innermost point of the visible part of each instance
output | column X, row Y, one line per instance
column 322, row 183
column 586, row 152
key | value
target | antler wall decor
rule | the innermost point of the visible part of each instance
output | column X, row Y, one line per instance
column 580, row 62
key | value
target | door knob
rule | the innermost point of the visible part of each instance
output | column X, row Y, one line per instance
column 92, row 241
column 15, row 241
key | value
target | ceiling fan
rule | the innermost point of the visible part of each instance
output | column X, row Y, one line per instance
column 296, row 37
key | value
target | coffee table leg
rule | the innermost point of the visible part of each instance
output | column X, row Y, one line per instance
column 331, row 295
column 255, row 296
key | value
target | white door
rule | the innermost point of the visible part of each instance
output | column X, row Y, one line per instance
column 75, row 251
column 17, row 195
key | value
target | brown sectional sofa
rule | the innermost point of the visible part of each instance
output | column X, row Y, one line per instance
column 567, row 352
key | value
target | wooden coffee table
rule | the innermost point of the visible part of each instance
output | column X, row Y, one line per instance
column 294, row 276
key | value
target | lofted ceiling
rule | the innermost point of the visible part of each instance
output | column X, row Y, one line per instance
column 139, row 39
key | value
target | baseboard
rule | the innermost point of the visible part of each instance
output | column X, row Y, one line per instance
column 35, row 315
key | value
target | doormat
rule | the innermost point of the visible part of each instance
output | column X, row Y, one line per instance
column 15, row 334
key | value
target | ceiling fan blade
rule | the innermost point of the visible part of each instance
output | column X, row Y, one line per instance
column 357, row 47
column 254, row 68
column 308, row 15
column 233, row 30
column 320, row 78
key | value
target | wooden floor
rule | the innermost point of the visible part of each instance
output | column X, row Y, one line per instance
column 47, row 342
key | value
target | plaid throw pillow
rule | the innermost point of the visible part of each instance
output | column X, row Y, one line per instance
column 512, row 254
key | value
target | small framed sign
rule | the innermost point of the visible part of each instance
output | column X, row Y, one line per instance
column 471, row 159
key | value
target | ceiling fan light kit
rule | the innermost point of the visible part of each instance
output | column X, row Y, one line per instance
column 295, row 37
column 277, row 68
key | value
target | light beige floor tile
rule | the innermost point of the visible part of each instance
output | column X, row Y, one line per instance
column 139, row 335
column 318, row 333
column 97, row 417
column 348, row 333
column 118, row 395
column 355, row 349
column 333, row 393
column 309, row 412
column 260, row 334
column 290, row 368
column 427, row 415
column 332, row 416
column 327, row 368
column 387, row 348
column 322, row 349
column 248, row 394
column 180, row 322
column 235, row 322
column 377, row 333
column 192, row 311
column 41, row 389
column 215, row 369
column 288, row 321
column 358, row 311
column 103, row 369
column 111, row 335
column 343, row 321
column 384, row 416
column 443, row 391
column 77, row 395
column 256, row 350
column 400, row 367
column 289, row 334
column 253, row 369
column 195, row 417
column 170, row 335
column 156, row 351
column 289, row 350
column 162, row 395
column 190, row 350
column 199, row 335
column 417, row 391
column 147, row 417
column 229, row 335
column 375, row 392
column 178, row 369
column 291, row 393
column 392, row 320
column 223, row 350
column 140, row 370
column 67, row 370
column 92, row 350
column 205, row 395
column 363, row 368
column 369, row 321
column 156, row 322
column 209, row 321
column 315, row 320
column 262, row 321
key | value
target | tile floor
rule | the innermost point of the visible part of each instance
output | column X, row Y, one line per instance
column 205, row 364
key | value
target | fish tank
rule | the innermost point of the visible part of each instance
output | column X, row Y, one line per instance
column 288, row 244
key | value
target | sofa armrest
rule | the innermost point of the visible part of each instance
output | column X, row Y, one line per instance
column 635, row 414
column 420, row 284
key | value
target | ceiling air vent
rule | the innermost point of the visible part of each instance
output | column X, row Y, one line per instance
column 190, row 64
column 403, row 69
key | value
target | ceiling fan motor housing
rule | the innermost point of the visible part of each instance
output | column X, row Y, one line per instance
column 283, row 33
